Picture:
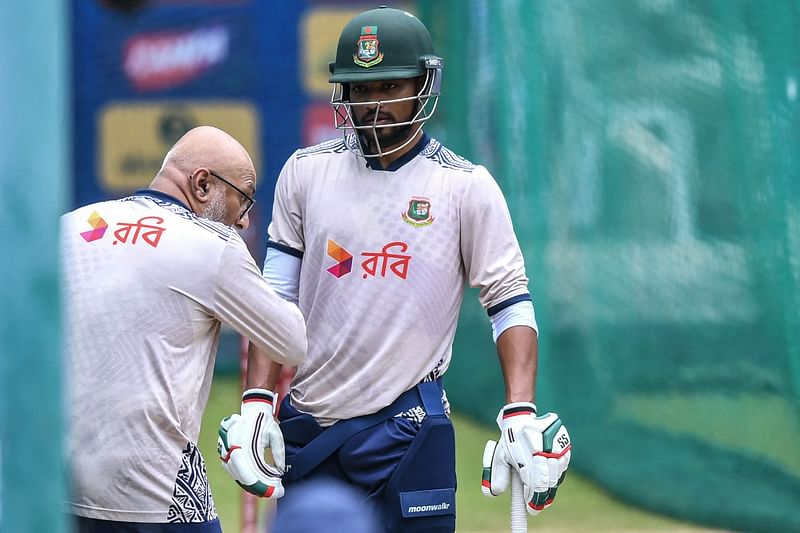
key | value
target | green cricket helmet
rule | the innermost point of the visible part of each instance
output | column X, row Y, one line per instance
column 384, row 44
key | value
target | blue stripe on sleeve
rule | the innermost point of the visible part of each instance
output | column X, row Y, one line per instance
column 285, row 249
column 493, row 310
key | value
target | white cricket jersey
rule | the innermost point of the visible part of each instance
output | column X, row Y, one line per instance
column 385, row 257
column 146, row 287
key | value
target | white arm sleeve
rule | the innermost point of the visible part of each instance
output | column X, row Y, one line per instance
column 282, row 272
column 518, row 314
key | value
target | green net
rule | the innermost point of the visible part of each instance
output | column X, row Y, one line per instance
column 648, row 152
column 33, row 180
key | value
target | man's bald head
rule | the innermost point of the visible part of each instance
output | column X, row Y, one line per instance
column 210, row 147
column 204, row 169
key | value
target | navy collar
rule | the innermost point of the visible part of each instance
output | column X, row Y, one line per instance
column 161, row 196
column 374, row 163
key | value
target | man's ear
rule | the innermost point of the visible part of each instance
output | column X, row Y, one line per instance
column 201, row 186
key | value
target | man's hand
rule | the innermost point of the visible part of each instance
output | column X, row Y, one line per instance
column 536, row 447
column 243, row 440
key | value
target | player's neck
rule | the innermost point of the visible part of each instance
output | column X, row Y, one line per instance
column 386, row 160
column 171, row 184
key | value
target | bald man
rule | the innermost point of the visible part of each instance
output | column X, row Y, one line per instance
column 148, row 280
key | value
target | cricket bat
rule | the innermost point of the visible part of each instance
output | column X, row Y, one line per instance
column 519, row 515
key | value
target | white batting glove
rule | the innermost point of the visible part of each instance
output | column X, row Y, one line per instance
column 538, row 448
column 243, row 440
column 496, row 469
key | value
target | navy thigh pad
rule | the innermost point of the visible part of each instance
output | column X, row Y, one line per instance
column 421, row 494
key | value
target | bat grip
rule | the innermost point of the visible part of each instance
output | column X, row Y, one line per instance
column 519, row 515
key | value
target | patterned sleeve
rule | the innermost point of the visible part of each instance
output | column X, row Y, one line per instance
column 286, row 227
column 489, row 248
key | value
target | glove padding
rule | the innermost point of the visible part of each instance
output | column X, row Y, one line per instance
column 243, row 440
column 538, row 448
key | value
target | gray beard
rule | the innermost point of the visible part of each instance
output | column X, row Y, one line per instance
column 215, row 210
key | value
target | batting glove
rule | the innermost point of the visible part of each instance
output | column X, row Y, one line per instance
column 243, row 440
column 538, row 448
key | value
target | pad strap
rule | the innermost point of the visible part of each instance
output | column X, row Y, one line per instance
column 331, row 439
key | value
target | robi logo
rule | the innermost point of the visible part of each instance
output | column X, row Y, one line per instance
column 343, row 258
column 392, row 259
column 99, row 227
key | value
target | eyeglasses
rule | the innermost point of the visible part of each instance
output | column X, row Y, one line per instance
column 250, row 201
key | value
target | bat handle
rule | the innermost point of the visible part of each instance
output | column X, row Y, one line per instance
column 519, row 515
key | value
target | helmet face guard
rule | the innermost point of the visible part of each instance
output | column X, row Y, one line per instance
column 426, row 101
column 381, row 45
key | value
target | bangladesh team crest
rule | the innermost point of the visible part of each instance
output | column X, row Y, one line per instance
column 418, row 213
column 367, row 52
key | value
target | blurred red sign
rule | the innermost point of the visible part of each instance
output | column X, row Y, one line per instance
column 154, row 61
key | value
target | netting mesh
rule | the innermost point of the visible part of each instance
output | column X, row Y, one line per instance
column 648, row 152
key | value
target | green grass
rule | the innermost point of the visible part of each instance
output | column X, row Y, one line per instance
column 581, row 506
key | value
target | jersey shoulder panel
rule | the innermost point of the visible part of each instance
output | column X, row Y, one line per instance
column 446, row 158
column 217, row 229
column 333, row 146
